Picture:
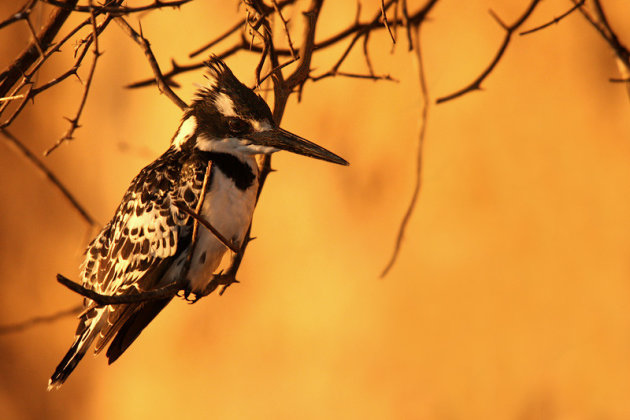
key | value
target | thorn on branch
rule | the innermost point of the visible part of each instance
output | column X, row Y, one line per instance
column 117, row 10
column 74, row 122
column 344, row 34
column 162, row 84
column 286, row 28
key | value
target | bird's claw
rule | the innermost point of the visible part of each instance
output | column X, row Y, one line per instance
column 187, row 296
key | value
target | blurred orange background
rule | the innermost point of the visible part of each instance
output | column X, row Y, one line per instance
column 510, row 298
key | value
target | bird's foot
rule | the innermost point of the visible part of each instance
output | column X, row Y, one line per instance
column 190, row 296
column 220, row 279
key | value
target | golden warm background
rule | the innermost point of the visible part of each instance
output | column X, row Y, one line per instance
column 511, row 296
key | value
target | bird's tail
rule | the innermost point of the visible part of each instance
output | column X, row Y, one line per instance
column 89, row 326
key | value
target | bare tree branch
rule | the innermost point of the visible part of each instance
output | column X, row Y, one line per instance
column 9, row 77
column 424, row 113
column 240, row 24
column 26, row 80
column 509, row 31
column 601, row 24
column 195, row 215
column 286, row 28
column 45, row 319
column 233, row 29
column 50, row 176
column 117, row 10
column 244, row 45
column 555, row 20
column 385, row 22
column 74, row 122
column 21, row 14
column 159, row 77
column 167, row 291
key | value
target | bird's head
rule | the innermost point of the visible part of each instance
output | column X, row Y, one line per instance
column 228, row 117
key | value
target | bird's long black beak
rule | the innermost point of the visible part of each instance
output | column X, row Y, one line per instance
column 283, row 140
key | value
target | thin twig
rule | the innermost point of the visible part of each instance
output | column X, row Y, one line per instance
column 602, row 26
column 198, row 218
column 146, row 47
column 424, row 112
column 199, row 206
column 234, row 28
column 385, row 22
column 34, row 35
column 16, row 70
column 74, row 122
column 195, row 215
column 26, row 79
column 18, row 109
column 396, row 10
column 118, row 10
column 23, row 13
column 358, row 35
column 282, row 90
column 509, row 31
column 278, row 67
column 407, row 22
column 385, row 77
column 286, row 28
column 244, row 45
column 42, row 319
column 50, row 176
column 11, row 98
column 556, row 19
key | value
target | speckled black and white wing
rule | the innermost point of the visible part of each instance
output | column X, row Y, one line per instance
column 147, row 227
column 132, row 252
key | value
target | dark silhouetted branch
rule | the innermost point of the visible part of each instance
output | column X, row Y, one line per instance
column 195, row 215
column 602, row 25
column 118, row 10
column 424, row 113
column 44, row 39
column 45, row 319
column 555, row 20
column 50, row 176
column 100, row 299
column 509, row 31
column 385, row 22
column 74, row 122
column 285, row 26
column 21, row 14
column 244, row 44
column 159, row 77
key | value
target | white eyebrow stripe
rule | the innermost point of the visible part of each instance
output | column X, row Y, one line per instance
column 260, row 125
column 225, row 105
column 185, row 131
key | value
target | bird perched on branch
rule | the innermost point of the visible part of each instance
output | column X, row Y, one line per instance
column 210, row 167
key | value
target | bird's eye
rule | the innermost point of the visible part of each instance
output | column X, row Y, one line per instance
column 238, row 126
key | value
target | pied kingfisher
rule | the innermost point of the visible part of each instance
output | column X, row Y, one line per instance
column 148, row 241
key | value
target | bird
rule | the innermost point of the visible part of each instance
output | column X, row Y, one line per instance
column 148, row 242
